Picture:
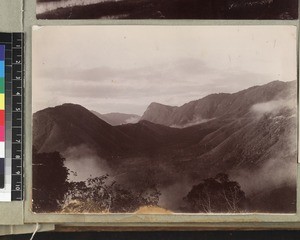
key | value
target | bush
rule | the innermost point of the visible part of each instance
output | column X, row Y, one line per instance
column 217, row 194
column 97, row 195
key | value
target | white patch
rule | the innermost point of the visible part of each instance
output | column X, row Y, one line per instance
column 2, row 150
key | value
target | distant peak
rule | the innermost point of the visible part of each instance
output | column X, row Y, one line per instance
column 155, row 104
column 275, row 82
column 69, row 105
column 65, row 106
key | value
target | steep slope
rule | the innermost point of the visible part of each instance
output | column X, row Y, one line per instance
column 116, row 119
column 250, row 143
column 219, row 105
column 69, row 125
column 159, row 113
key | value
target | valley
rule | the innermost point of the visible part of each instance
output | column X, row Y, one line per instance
column 249, row 135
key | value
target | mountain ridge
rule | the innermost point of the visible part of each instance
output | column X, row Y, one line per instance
column 216, row 105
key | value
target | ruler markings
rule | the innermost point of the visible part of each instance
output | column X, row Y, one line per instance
column 14, row 98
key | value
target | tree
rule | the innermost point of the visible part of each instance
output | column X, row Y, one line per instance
column 217, row 194
column 49, row 183
column 52, row 191
column 101, row 195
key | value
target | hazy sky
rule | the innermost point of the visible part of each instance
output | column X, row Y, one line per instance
column 125, row 68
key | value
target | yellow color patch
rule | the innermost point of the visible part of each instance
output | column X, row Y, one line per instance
column 2, row 101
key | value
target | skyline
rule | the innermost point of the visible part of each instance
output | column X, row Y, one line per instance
column 161, row 103
column 133, row 66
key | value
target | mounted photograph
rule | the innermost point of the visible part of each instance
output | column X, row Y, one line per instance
column 164, row 119
column 167, row 9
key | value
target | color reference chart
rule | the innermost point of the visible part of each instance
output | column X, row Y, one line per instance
column 2, row 114
column 11, row 102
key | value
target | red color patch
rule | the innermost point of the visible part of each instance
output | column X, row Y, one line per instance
column 2, row 118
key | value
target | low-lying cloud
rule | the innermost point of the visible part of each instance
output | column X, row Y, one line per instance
column 274, row 174
column 277, row 171
column 133, row 119
column 83, row 163
column 273, row 106
column 267, row 107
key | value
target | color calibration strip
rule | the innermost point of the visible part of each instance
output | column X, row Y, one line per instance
column 5, row 193
column 2, row 114
column 12, row 92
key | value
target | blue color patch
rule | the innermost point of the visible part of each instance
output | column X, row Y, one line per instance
column 1, row 69
column 2, row 52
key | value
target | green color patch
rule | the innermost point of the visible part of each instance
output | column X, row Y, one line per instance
column 2, row 88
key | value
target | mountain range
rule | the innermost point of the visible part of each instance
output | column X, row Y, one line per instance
column 222, row 105
column 115, row 119
column 250, row 134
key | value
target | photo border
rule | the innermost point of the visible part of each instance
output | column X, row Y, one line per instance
column 179, row 221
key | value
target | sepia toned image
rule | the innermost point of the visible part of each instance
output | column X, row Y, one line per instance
column 164, row 119
column 167, row 9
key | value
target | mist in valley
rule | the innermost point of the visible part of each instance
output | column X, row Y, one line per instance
column 83, row 163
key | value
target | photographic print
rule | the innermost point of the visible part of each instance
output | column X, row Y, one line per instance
column 164, row 119
column 167, row 9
